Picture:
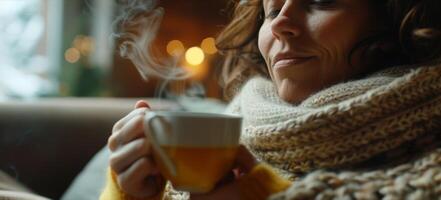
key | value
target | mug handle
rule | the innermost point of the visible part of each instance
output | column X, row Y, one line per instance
column 151, row 134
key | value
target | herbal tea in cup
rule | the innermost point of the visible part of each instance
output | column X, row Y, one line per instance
column 193, row 150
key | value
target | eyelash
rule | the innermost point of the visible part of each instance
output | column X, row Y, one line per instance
column 273, row 14
column 318, row 4
column 322, row 3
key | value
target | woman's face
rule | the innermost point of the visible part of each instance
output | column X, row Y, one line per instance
column 306, row 43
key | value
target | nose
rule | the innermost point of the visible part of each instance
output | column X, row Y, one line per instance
column 288, row 22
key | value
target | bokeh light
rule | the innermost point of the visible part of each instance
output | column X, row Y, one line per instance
column 78, row 41
column 84, row 44
column 72, row 55
column 198, row 72
column 194, row 56
column 175, row 48
column 87, row 46
column 208, row 45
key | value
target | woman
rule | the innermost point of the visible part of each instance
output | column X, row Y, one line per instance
column 340, row 97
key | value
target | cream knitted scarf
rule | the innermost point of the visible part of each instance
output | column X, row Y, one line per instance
column 344, row 125
column 341, row 125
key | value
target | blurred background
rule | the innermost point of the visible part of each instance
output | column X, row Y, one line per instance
column 63, row 85
column 64, row 48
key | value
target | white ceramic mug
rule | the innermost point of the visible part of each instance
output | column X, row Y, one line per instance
column 193, row 150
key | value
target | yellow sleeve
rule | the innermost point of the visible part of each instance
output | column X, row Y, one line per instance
column 261, row 182
column 113, row 192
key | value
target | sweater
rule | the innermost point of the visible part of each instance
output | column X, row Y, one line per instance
column 258, row 184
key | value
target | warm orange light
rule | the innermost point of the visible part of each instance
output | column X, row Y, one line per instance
column 209, row 46
column 194, row 56
column 175, row 48
column 87, row 45
column 78, row 41
column 72, row 55
column 84, row 44
column 198, row 72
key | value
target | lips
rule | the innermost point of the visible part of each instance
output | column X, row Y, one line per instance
column 282, row 60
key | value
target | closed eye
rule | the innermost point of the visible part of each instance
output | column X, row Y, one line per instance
column 322, row 3
column 273, row 14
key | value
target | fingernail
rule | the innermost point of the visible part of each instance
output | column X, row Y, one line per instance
column 142, row 103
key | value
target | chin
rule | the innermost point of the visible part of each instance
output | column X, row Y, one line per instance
column 292, row 97
column 292, row 92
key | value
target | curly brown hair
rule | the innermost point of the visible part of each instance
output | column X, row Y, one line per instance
column 410, row 34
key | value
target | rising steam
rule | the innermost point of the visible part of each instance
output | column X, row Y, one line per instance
column 136, row 28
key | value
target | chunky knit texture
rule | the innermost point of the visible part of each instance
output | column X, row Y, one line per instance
column 362, row 132
column 416, row 180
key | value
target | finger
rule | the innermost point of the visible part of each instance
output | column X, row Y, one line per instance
column 138, row 111
column 131, row 130
column 135, row 180
column 142, row 104
column 128, row 154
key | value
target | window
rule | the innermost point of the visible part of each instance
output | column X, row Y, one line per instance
column 26, row 64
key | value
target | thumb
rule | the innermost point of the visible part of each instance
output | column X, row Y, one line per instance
column 142, row 104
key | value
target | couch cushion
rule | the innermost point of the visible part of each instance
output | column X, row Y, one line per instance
column 90, row 182
column 45, row 143
column 12, row 190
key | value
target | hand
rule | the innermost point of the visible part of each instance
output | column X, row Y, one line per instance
column 131, row 155
column 228, row 187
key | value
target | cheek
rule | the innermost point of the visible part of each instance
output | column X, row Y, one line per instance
column 336, row 41
column 264, row 42
column 338, row 32
column 329, row 34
